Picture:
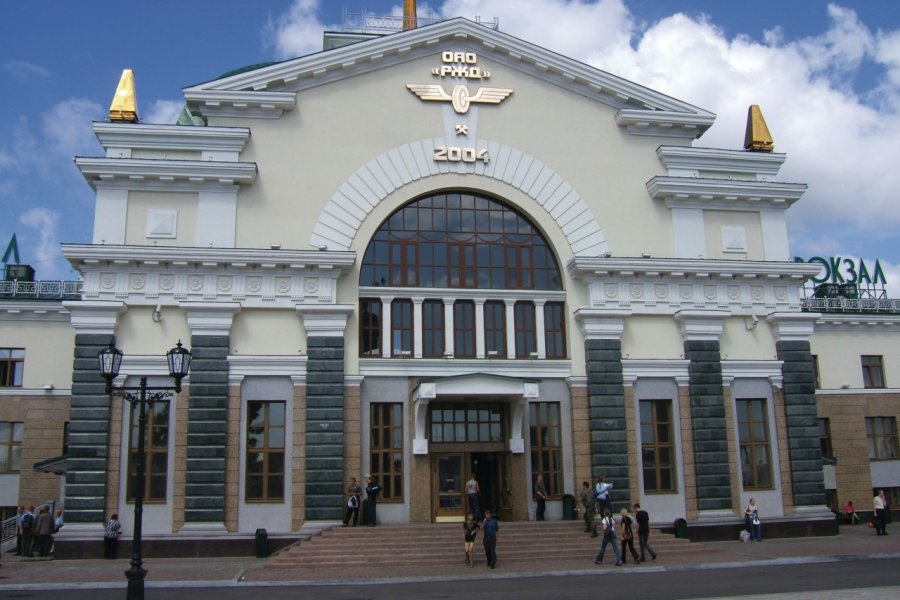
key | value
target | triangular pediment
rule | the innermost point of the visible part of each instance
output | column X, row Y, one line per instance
column 638, row 108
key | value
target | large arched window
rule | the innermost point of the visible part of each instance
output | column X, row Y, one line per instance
column 459, row 240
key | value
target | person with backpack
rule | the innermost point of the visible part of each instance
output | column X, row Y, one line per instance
column 26, row 526
column 608, row 525
column 626, row 533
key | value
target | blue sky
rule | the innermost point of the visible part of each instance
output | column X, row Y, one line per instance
column 827, row 76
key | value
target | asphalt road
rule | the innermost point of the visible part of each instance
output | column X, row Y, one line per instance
column 823, row 581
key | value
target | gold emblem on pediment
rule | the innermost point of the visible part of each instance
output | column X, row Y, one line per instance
column 459, row 65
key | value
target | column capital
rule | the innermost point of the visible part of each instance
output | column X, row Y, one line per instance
column 793, row 326
column 326, row 320
column 601, row 324
column 705, row 325
column 210, row 318
column 94, row 317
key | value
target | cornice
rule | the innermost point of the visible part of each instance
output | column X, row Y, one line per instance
column 240, row 366
column 462, row 294
column 755, row 369
column 724, row 194
column 136, row 172
column 171, row 137
column 641, row 105
column 712, row 160
column 446, row 367
column 87, row 257
column 874, row 323
column 677, row 369
column 240, row 104
column 664, row 123
column 590, row 267
column 23, row 310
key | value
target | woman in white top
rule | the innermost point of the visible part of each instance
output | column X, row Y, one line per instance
column 879, row 503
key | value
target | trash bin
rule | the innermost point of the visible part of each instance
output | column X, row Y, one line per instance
column 262, row 543
column 569, row 507
column 681, row 528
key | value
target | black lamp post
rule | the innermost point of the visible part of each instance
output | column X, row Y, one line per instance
column 179, row 360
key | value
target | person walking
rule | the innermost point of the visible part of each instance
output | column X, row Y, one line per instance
column 540, row 495
column 588, row 501
column 372, row 489
column 643, row 521
column 491, row 529
column 879, row 504
column 608, row 525
column 602, row 491
column 626, row 534
column 751, row 519
column 470, row 532
column 43, row 529
column 111, row 537
column 472, row 491
column 354, row 493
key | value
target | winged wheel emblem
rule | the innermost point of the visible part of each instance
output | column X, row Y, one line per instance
column 460, row 98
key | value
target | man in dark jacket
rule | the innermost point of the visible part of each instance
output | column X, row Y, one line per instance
column 43, row 529
column 643, row 520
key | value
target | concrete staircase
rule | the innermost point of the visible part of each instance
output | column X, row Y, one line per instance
column 442, row 544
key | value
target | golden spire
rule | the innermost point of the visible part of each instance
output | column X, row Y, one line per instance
column 409, row 14
column 757, row 138
column 124, row 104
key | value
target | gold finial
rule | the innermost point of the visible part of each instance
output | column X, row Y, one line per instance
column 124, row 104
column 757, row 138
column 409, row 14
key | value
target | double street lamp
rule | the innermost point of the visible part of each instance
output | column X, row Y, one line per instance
column 179, row 360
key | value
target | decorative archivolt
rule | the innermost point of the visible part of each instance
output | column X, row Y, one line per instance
column 342, row 217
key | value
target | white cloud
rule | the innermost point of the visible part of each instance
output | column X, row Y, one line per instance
column 298, row 32
column 45, row 224
column 67, row 127
column 21, row 69
column 163, row 111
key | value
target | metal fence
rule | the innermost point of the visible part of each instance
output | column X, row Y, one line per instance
column 851, row 305
column 366, row 22
column 40, row 290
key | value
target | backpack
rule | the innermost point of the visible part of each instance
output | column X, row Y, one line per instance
column 27, row 520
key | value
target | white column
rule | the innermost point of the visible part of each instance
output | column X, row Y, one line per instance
column 479, row 328
column 540, row 333
column 417, row 326
column 510, row 328
column 386, row 326
column 448, row 327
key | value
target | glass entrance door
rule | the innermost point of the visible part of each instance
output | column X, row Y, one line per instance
column 448, row 484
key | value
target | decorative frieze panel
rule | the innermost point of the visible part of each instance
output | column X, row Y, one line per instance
column 255, row 278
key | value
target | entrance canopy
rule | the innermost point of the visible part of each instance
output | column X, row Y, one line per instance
column 517, row 391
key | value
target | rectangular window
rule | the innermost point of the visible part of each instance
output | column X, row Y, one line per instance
column 825, row 437
column 460, row 422
column 265, row 451
column 873, row 371
column 657, row 446
column 11, row 446
column 881, row 433
column 555, row 329
column 369, row 327
column 402, row 327
column 546, row 445
column 432, row 328
column 524, row 323
column 495, row 329
column 815, row 361
column 156, row 447
column 464, row 329
column 753, row 435
column 12, row 364
column 386, row 449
